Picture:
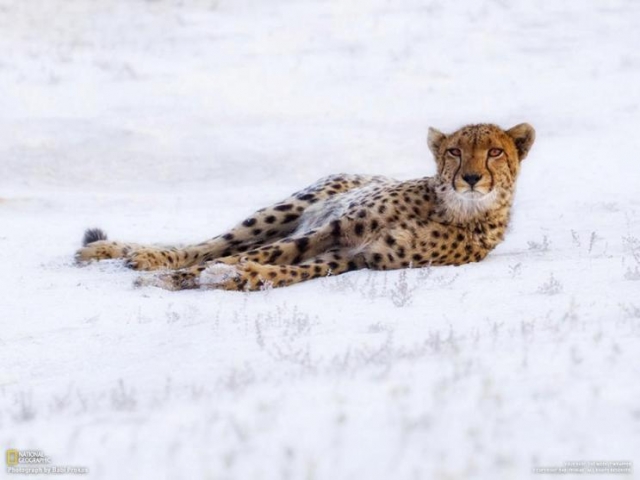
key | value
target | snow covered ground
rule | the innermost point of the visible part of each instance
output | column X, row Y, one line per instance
column 169, row 120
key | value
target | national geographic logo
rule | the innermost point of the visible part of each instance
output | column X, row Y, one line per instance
column 26, row 457
column 12, row 458
column 35, row 462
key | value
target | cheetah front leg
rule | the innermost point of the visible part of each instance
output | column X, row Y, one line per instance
column 237, row 275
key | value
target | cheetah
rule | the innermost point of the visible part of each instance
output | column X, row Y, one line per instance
column 348, row 222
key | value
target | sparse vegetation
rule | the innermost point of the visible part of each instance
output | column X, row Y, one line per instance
column 631, row 310
column 23, row 410
column 541, row 246
column 122, row 397
column 515, row 270
column 550, row 287
column 592, row 240
column 402, row 295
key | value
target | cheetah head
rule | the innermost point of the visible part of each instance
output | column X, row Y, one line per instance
column 478, row 163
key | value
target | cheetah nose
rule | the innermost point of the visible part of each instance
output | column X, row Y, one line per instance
column 471, row 178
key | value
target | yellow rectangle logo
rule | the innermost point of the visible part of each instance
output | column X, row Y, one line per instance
column 12, row 458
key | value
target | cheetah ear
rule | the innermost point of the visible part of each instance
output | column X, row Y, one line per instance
column 523, row 136
column 434, row 140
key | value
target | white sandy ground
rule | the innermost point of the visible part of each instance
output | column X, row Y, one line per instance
column 170, row 120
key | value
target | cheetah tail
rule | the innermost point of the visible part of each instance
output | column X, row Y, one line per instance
column 93, row 235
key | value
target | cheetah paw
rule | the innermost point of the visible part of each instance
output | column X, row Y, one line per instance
column 101, row 250
column 164, row 281
column 178, row 280
column 146, row 259
column 217, row 275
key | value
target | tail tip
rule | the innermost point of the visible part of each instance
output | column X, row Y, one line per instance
column 93, row 235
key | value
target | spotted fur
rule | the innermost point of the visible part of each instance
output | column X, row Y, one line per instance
column 349, row 222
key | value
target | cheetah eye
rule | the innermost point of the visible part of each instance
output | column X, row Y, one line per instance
column 455, row 152
column 495, row 152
